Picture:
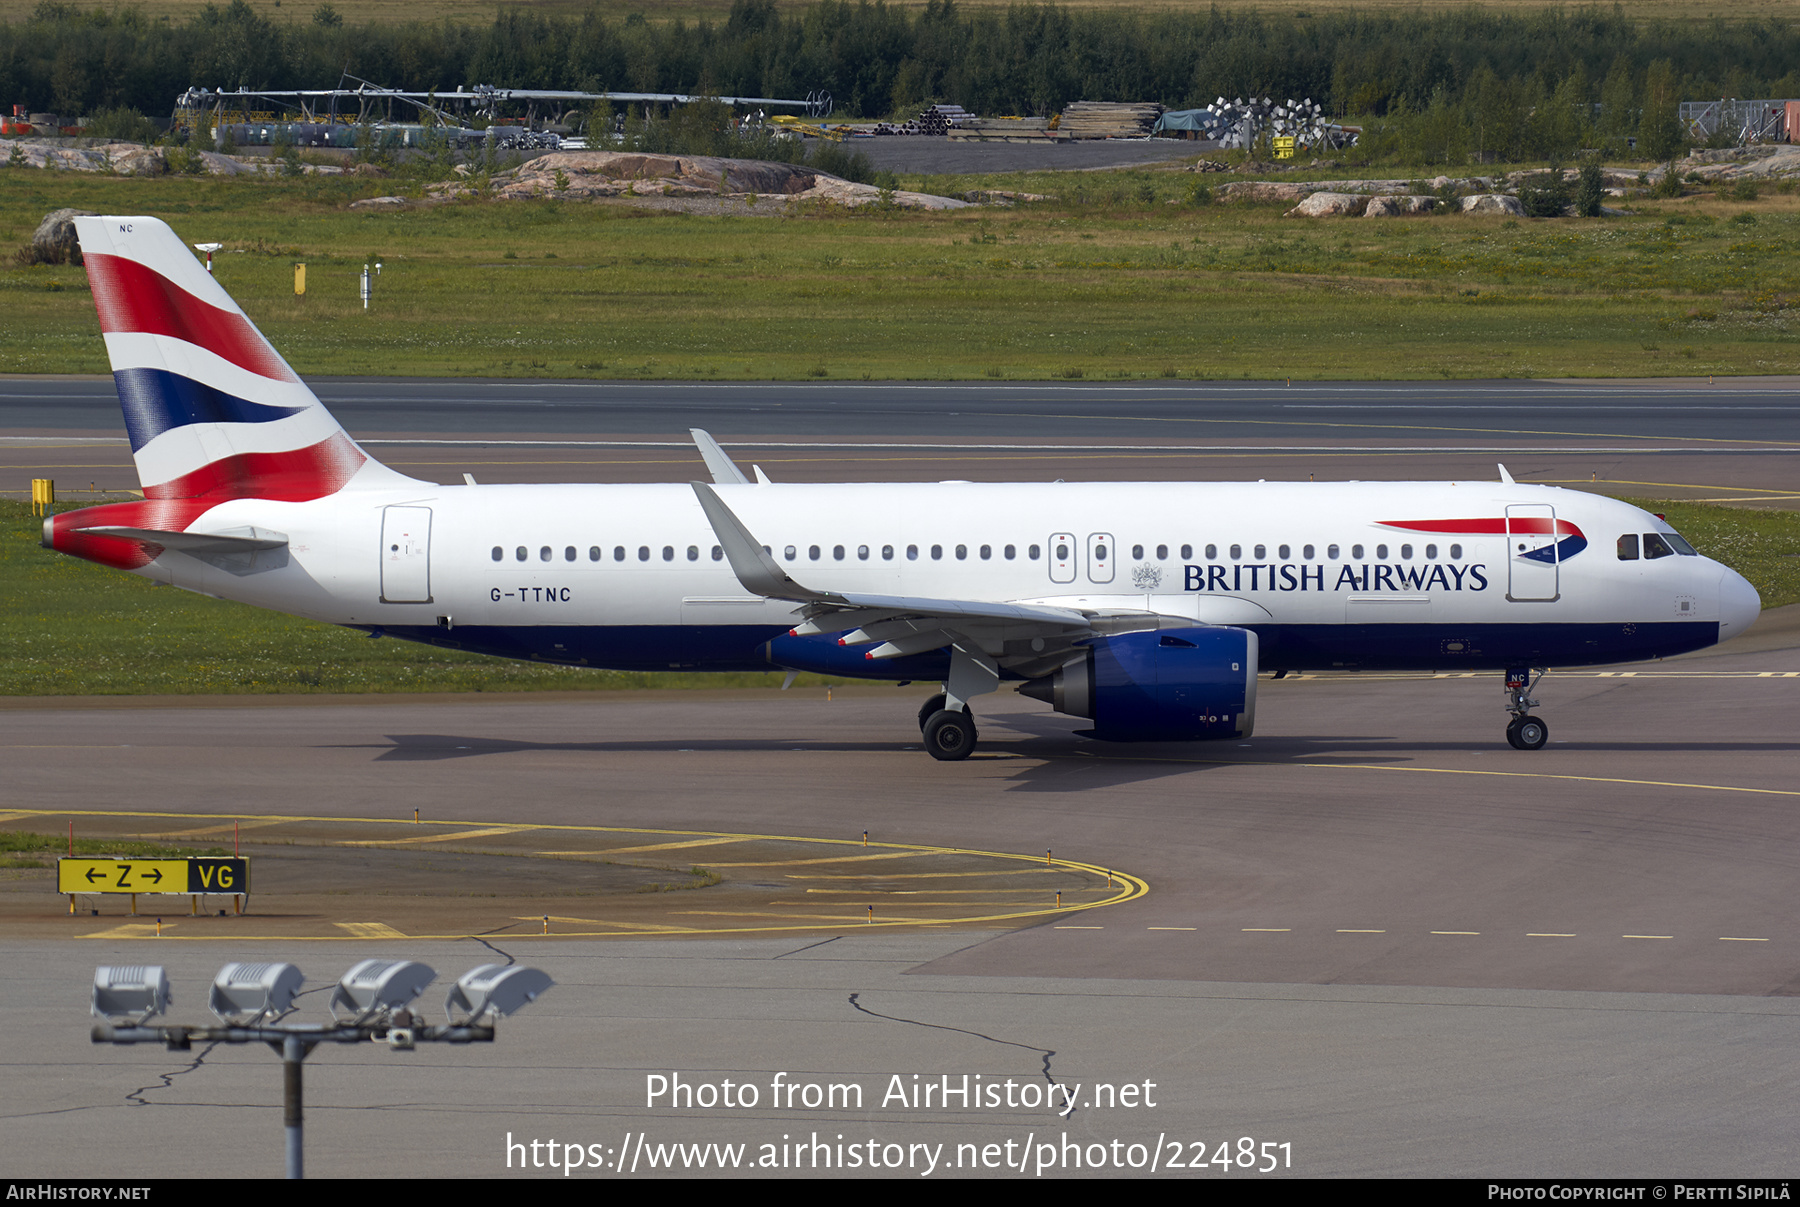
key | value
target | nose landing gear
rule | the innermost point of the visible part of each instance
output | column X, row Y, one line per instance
column 1524, row 731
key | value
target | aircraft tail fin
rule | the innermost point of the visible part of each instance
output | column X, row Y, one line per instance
column 213, row 411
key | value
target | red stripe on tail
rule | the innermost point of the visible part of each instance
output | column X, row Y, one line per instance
column 134, row 299
column 292, row 477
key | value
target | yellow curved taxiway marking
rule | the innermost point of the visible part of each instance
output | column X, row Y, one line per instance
column 1130, row 888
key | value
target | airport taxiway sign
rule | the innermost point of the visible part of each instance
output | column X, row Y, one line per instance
column 199, row 874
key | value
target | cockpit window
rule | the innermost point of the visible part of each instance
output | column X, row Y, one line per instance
column 1628, row 547
column 1655, row 546
column 1681, row 546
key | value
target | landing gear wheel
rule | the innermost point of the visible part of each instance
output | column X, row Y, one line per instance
column 950, row 735
column 1527, row 733
column 930, row 709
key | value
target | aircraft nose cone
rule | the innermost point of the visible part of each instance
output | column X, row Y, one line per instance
column 1739, row 604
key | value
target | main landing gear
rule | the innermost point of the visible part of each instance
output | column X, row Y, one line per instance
column 949, row 733
column 1524, row 731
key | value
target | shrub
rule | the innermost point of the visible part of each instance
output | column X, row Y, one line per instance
column 1588, row 190
column 122, row 125
column 1544, row 195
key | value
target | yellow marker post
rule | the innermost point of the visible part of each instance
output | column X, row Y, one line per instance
column 299, row 280
column 43, row 495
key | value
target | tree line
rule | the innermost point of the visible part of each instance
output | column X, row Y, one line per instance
column 1465, row 83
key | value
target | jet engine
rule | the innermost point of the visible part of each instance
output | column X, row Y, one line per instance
column 1159, row 686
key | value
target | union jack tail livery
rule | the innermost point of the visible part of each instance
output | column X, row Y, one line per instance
column 213, row 411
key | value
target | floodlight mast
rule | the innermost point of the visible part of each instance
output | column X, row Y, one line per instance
column 248, row 997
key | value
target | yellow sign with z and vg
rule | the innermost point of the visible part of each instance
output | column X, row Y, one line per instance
column 197, row 874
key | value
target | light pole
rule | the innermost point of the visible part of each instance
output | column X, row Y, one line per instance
column 251, row 999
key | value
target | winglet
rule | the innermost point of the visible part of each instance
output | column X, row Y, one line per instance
column 1506, row 478
column 724, row 471
column 754, row 568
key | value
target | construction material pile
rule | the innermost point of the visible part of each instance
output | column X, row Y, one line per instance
column 938, row 119
column 1107, row 119
column 1238, row 124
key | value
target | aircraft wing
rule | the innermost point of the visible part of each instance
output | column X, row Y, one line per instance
column 1019, row 637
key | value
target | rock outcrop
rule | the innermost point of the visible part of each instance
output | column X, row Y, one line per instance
column 1330, row 205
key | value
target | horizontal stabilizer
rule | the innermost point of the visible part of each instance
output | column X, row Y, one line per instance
column 240, row 540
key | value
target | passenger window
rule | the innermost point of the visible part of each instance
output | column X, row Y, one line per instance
column 1137, row 553
column 1099, row 553
column 1381, row 553
column 544, row 554
column 1628, row 547
column 1455, row 551
column 718, row 553
column 1212, row 552
column 1011, row 552
column 1062, row 553
column 668, row 553
column 1356, row 552
column 643, row 553
column 1187, row 551
column 593, row 553
column 962, row 553
column 937, row 553
column 693, row 553
column 618, row 553
column 987, row 551
column 1306, row 552
column 1237, row 551
column 1032, row 553
column 1331, row 552
column 499, row 553
column 790, row 553
column 1406, row 553
column 519, row 553
column 912, row 553
column 1655, row 547
column 1162, row 553
column 569, row 554
column 812, row 552
column 887, row 553
column 862, row 553
column 837, row 553
column 1284, row 553
column 1261, row 552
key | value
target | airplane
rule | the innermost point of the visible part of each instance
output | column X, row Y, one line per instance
column 1147, row 608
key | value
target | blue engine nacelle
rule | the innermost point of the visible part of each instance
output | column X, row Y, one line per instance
column 1159, row 686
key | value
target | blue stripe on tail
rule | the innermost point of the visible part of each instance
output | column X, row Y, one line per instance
column 156, row 400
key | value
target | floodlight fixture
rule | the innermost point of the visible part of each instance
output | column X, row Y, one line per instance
column 244, row 995
column 380, row 987
column 209, row 248
column 130, row 994
column 501, row 988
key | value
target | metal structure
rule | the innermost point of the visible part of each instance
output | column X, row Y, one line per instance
column 1744, row 121
column 370, row 103
column 1238, row 124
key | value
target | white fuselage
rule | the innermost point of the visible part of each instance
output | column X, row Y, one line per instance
column 1348, row 574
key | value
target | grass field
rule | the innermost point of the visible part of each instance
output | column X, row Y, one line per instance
column 1122, row 276
column 483, row 11
column 69, row 627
